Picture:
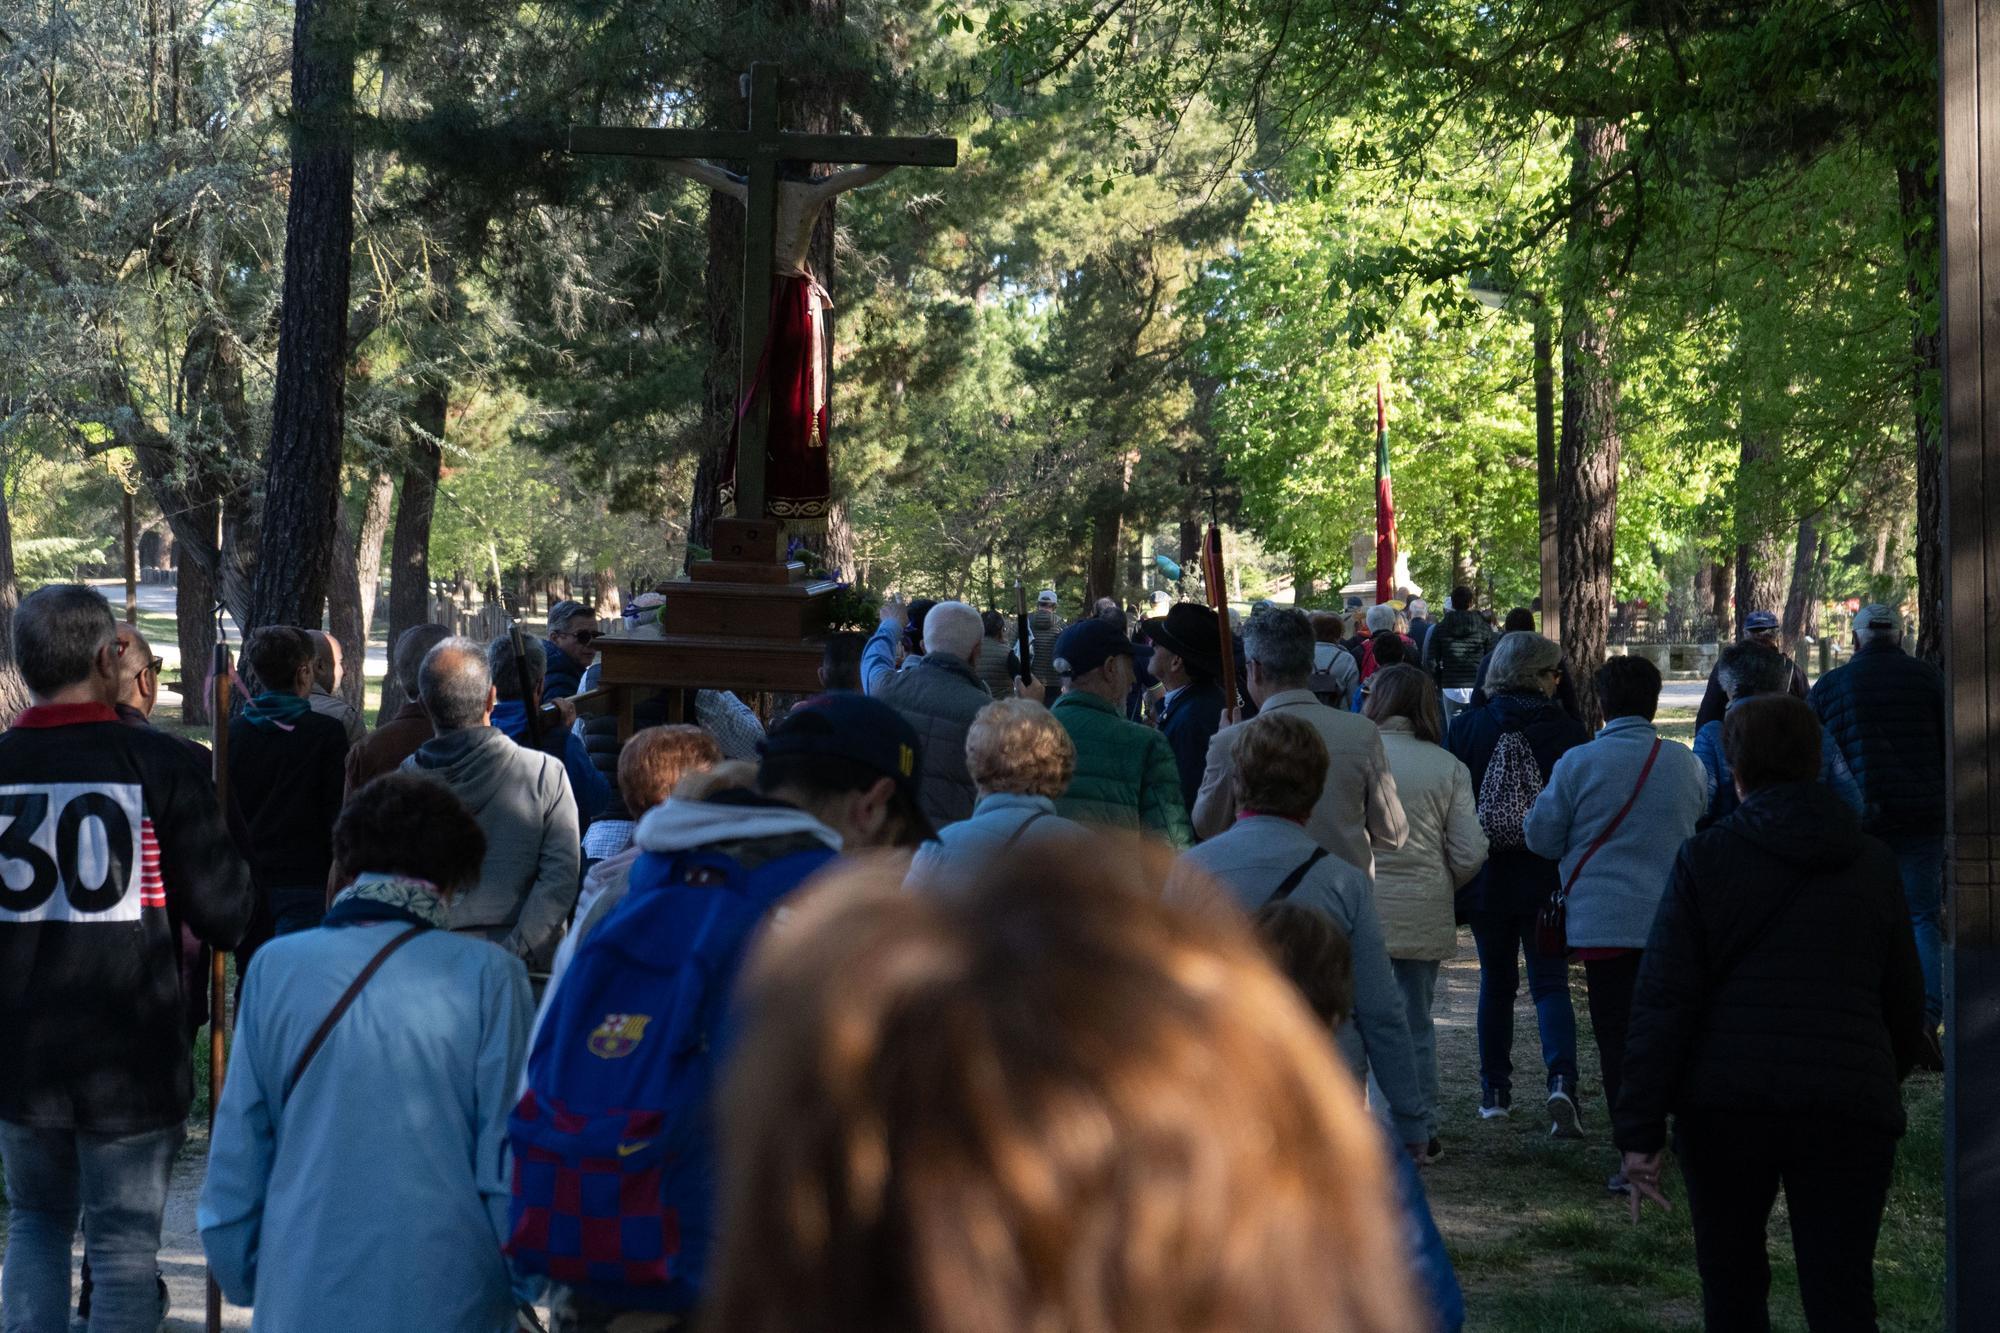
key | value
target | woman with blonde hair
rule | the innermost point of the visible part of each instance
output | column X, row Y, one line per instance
column 1044, row 1099
column 1415, row 884
column 1021, row 759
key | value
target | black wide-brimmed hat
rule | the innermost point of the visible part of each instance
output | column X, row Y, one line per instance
column 1188, row 630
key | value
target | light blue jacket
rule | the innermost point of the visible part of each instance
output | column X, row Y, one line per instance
column 969, row 846
column 1612, row 903
column 381, row 1182
column 1251, row 860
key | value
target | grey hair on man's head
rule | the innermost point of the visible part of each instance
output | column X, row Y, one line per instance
column 1747, row 668
column 411, row 645
column 954, row 628
column 1381, row 617
column 58, row 632
column 507, row 677
column 1281, row 642
column 1519, row 660
column 453, row 683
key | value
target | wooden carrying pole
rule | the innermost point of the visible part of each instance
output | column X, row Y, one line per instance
column 1218, row 598
column 218, row 981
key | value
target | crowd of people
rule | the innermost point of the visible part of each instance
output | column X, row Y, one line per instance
column 981, row 990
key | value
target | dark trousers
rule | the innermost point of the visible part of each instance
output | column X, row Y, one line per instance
column 1836, row 1178
column 1503, row 940
column 1609, row 982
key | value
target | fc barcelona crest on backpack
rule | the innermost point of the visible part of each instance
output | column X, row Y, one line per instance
column 619, row 1035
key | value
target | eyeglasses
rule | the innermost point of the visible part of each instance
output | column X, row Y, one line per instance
column 156, row 666
column 586, row 635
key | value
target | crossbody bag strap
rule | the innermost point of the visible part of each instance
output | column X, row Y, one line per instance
column 1298, row 876
column 1612, row 827
column 1021, row 828
column 345, row 1002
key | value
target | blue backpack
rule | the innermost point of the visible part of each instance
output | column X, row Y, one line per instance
column 614, row 1146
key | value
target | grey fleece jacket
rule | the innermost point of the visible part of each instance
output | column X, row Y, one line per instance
column 523, row 803
column 1251, row 860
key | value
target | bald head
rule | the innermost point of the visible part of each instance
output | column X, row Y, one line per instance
column 326, row 660
column 139, row 679
column 455, row 686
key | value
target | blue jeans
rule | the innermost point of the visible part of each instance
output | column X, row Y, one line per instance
column 119, row 1184
column 1417, row 979
column 1502, row 940
column 1920, row 861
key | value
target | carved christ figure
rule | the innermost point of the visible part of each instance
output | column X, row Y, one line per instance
column 792, row 368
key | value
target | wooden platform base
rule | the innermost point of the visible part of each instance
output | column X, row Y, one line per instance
column 750, row 621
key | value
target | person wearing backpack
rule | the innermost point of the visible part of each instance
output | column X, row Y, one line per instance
column 1615, row 812
column 1453, row 649
column 1510, row 744
column 614, row 1142
column 1278, row 764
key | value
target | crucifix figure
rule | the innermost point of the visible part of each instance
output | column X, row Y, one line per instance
column 781, row 465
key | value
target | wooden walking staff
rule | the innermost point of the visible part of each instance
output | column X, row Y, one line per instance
column 219, row 677
column 1218, row 598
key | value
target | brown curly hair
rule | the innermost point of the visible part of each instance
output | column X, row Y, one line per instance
column 403, row 824
column 1016, row 745
column 1048, row 1099
column 655, row 760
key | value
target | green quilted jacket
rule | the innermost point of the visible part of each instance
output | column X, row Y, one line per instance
column 1125, row 773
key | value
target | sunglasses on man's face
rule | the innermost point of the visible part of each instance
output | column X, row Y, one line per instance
column 156, row 666
column 586, row 635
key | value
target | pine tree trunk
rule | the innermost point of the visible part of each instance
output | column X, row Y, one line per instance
column 13, row 691
column 194, row 620
column 1922, row 258
column 308, row 409
column 1760, row 572
column 1799, row 602
column 350, row 607
column 1587, row 466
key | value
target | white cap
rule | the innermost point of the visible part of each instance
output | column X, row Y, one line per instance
column 1047, row 595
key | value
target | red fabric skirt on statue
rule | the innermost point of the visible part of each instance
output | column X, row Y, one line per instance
column 791, row 373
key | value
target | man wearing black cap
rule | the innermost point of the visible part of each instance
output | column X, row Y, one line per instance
column 1758, row 627
column 840, row 773
column 1885, row 710
column 1125, row 773
column 1187, row 661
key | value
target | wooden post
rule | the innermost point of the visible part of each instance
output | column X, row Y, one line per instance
column 759, row 242
column 131, row 530
column 218, row 977
column 1971, row 324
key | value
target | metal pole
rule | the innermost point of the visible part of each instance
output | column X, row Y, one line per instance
column 1545, row 473
column 218, row 980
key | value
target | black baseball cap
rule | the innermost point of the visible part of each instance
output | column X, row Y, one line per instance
column 860, row 730
column 1088, row 645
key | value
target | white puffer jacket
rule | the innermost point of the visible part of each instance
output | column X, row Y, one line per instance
column 1414, row 884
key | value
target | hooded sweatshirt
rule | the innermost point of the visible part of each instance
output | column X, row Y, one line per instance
column 753, row 829
column 522, row 800
column 1780, row 978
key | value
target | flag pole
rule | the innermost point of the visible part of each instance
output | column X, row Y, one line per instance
column 1385, row 505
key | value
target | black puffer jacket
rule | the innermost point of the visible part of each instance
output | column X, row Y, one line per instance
column 1780, row 978
column 1885, row 710
column 1454, row 647
column 1514, row 880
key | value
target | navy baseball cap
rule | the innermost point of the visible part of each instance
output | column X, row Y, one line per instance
column 861, row 730
column 1088, row 645
column 1759, row 620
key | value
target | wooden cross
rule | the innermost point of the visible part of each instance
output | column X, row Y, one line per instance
column 762, row 147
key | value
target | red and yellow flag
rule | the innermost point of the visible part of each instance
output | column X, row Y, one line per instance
column 1385, row 505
